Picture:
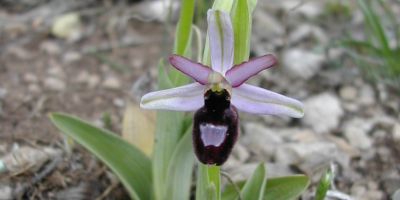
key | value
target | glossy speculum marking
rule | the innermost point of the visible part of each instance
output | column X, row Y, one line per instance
column 215, row 128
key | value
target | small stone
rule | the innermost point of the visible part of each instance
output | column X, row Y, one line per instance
column 373, row 185
column 67, row 26
column 93, row 81
column 382, row 92
column 308, row 30
column 3, row 149
column 240, row 152
column 268, row 32
column 54, row 84
column 348, row 93
column 367, row 95
column 266, row 25
column 56, row 72
column 301, row 63
column 274, row 121
column 231, row 164
column 27, row 156
column 71, row 56
column 50, row 47
column 278, row 170
column 20, row 53
column 335, row 53
column 111, row 82
column 379, row 134
column 299, row 135
column 6, row 192
column 323, row 112
column 356, row 132
column 373, row 195
column 261, row 140
column 119, row 102
column 384, row 153
column 310, row 157
column 351, row 106
column 155, row 10
column 34, row 88
column 310, row 9
column 381, row 119
column 3, row 93
column 391, row 181
column 396, row 132
column 82, row 77
column 357, row 191
column 30, row 78
column 138, row 63
column 242, row 172
column 343, row 145
column 396, row 195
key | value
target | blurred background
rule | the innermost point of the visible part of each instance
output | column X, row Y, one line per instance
column 96, row 58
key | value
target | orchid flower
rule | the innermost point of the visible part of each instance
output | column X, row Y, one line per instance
column 218, row 91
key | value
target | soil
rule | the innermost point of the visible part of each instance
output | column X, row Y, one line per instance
column 26, row 63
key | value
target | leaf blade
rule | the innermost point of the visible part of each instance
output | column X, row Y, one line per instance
column 255, row 186
column 132, row 170
column 285, row 188
column 183, row 36
column 241, row 22
column 180, row 169
column 277, row 188
column 324, row 185
column 168, row 132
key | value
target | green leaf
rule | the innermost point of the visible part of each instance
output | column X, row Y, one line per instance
column 241, row 22
column 286, row 188
column 183, row 38
column 126, row 161
column 208, row 184
column 214, row 178
column 374, row 24
column 169, row 130
column 202, row 182
column 255, row 186
column 280, row 188
column 180, row 169
column 211, row 192
column 324, row 185
column 362, row 46
column 184, row 27
column 171, row 125
column 164, row 81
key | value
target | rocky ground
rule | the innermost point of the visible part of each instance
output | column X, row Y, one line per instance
column 109, row 59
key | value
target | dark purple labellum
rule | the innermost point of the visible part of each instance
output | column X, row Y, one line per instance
column 215, row 128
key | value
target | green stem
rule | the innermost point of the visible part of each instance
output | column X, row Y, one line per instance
column 214, row 178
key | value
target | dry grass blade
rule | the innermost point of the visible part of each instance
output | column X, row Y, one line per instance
column 138, row 127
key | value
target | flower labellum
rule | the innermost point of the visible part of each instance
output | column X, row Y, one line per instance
column 219, row 92
column 215, row 128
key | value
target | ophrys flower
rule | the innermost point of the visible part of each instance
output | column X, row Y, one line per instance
column 219, row 92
